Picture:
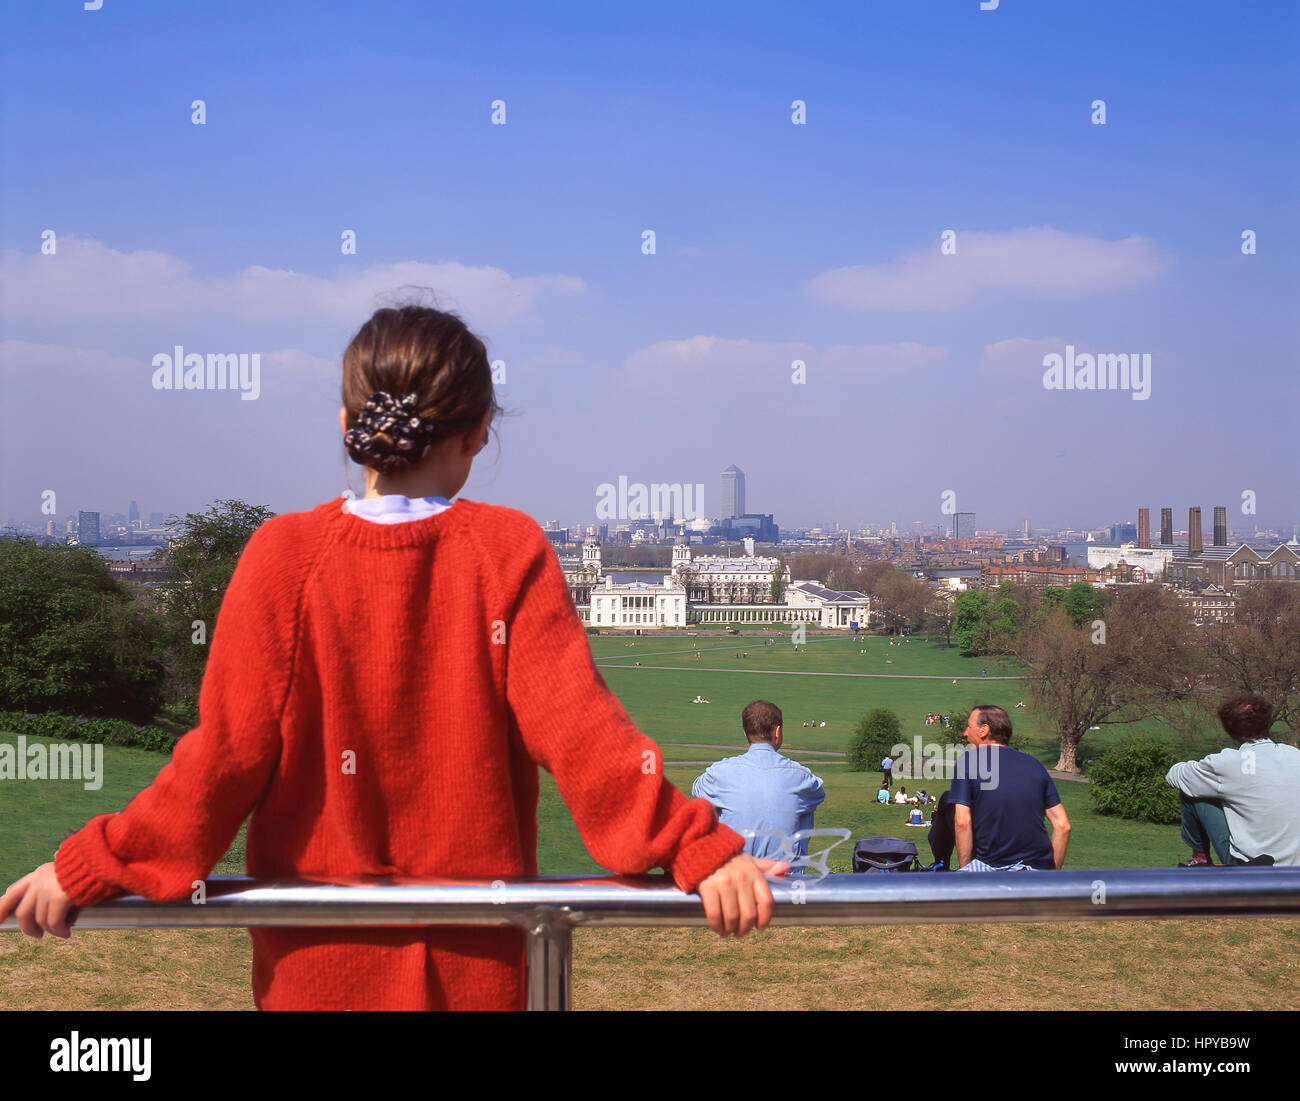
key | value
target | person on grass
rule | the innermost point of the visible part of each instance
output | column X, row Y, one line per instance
column 385, row 677
column 1243, row 803
column 999, row 797
column 761, row 789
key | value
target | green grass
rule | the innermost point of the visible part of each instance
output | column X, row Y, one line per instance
column 36, row 815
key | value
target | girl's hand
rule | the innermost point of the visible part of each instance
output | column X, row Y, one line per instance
column 42, row 907
column 737, row 898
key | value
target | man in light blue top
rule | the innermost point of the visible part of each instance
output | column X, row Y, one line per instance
column 761, row 790
column 1243, row 803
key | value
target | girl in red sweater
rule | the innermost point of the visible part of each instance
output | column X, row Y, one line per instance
column 384, row 679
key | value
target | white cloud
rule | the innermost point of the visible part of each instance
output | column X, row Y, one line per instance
column 1021, row 354
column 701, row 358
column 26, row 355
column 88, row 279
column 1035, row 260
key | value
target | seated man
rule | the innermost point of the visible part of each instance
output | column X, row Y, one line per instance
column 999, row 798
column 760, row 789
column 943, row 836
column 1243, row 802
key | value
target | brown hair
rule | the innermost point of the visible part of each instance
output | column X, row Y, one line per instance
column 1246, row 718
column 413, row 349
column 760, row 720
column 996, row 719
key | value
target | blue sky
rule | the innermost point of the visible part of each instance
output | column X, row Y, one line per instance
column 774, row 242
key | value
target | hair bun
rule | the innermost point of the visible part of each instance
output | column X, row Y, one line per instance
column 389, row 433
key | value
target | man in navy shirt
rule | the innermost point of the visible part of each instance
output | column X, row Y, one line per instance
column 999, row 797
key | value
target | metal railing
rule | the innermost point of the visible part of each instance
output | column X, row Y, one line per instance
column 548, row 908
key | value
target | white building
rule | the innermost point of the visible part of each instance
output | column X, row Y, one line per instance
column 713, row 579
column 637, row 604
column 835, row 608
column 1153, row 560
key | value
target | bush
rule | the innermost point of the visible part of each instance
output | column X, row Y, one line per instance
column 79, row 728
column 878, row 731
column 1128, row 781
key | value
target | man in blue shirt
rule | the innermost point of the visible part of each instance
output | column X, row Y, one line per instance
column 999, row 798
column 761, row 790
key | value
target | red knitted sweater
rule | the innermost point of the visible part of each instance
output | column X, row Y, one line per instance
column 379, row 696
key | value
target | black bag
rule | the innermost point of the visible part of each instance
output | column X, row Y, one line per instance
column 884, row 854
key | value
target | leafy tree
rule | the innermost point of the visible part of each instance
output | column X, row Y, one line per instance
column 970, row 626
column 874, row 738
column 73, row 637
column 778, row 581
column 201, row 556
column 1080, row 601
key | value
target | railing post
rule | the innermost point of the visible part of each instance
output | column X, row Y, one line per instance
column 549, row 937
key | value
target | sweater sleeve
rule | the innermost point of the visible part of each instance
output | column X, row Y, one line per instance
column 610, row 775
column 175, row 831
column 1196, row 779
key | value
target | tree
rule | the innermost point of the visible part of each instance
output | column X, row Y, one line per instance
column 1119, row 672
column 201, row 555
column 874, row 738
column 1258, row 654
column 73, row 637
column 1081, row 602
column 970, row 626
column 778, row 581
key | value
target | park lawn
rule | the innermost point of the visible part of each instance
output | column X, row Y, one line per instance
column 1077, row 965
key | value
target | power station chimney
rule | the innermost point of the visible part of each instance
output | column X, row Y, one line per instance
column 1144, row 528
column 1194, row 545
column 1166, row 527
column 1220, row 525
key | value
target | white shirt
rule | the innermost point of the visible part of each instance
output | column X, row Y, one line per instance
column 393, row 508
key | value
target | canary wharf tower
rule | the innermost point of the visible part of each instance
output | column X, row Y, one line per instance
column 733, row 492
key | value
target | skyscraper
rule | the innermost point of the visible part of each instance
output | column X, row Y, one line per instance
column 88, row 527
column 963, row 525
column 1220, row 525
column 733, row 492
column 133, row 517
column 1166, row 527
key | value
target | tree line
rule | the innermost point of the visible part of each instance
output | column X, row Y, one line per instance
column 1094, row 659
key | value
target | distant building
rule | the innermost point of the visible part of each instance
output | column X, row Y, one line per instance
column 637, row 604
column 713, row 579
column 733, row 492
column 1208, row 605
column 1230, row 567
column 1152, row 560
column 963, row 525
column 1036, row 577
column 1123, row 532
column 88, row 527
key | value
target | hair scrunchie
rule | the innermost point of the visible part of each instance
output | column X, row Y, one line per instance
column 389, row 433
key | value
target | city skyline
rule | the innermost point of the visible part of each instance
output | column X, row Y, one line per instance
column 859, row 301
